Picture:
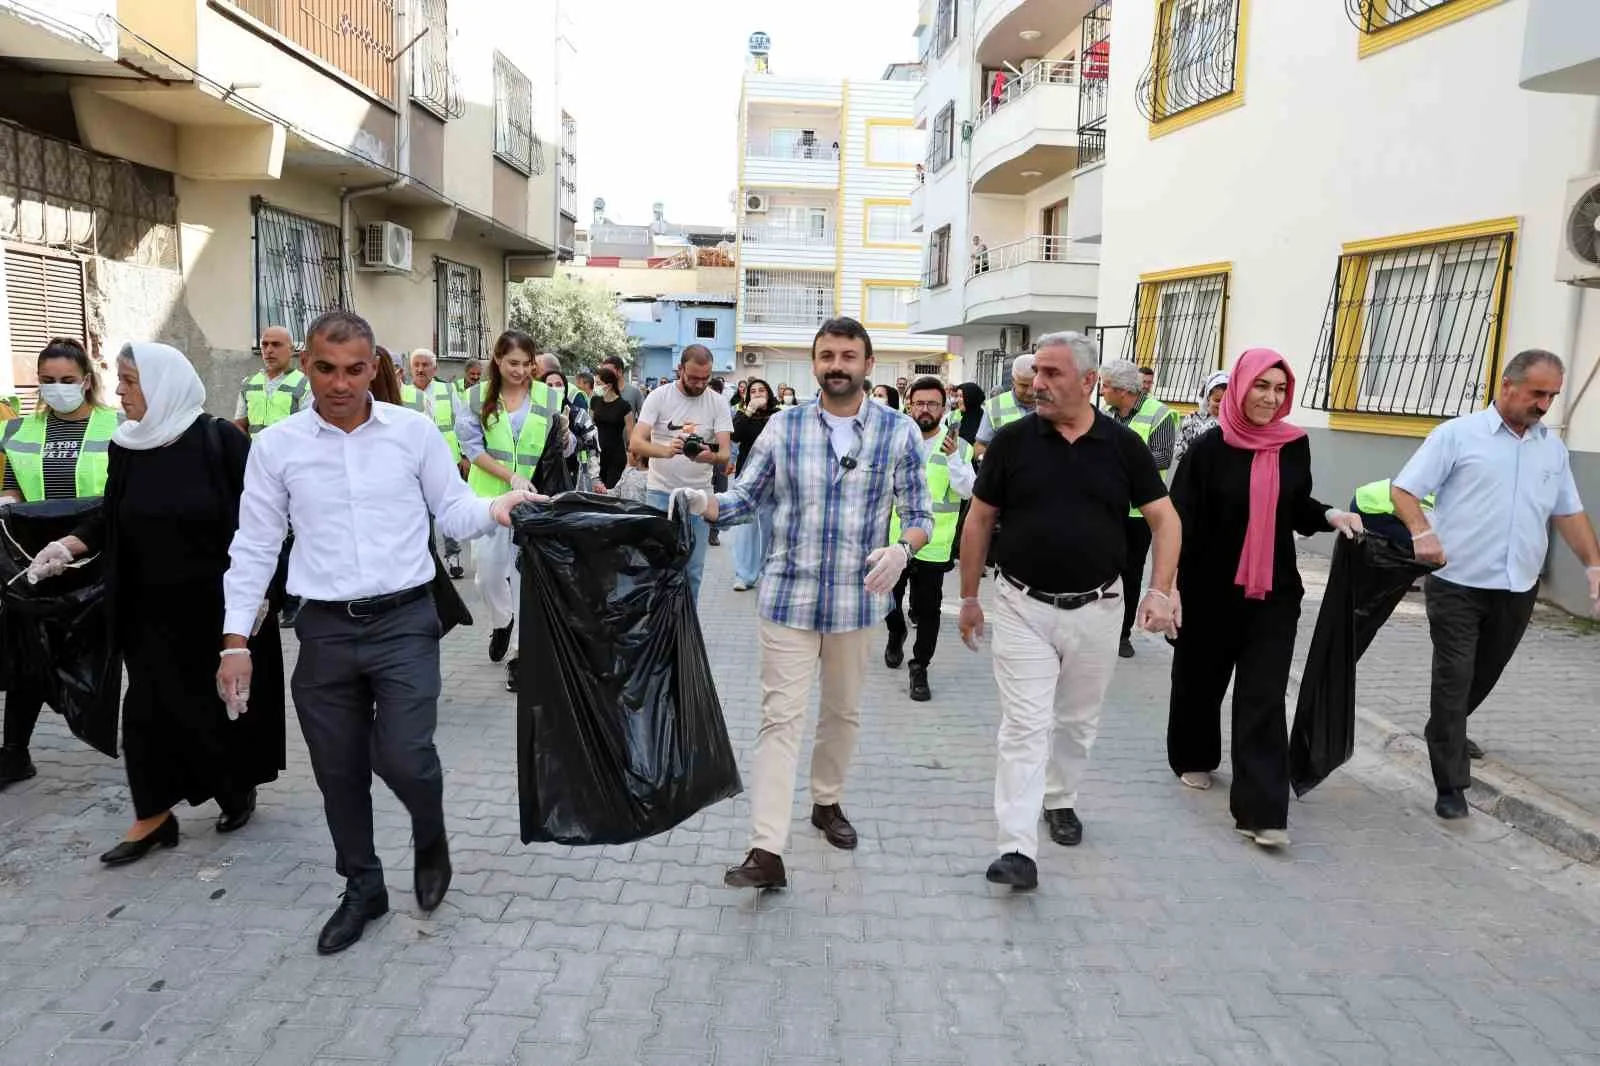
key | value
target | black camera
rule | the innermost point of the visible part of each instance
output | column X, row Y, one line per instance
column 693, row 445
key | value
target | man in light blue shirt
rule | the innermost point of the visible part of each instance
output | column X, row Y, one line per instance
column 1502, row 478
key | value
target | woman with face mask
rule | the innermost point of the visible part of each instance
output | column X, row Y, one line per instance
column 754, row 542
column 171, row 508
column 57, row 453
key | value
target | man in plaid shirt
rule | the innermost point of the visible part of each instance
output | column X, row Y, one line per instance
column 831, row 471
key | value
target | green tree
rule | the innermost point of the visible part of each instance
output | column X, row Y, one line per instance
column 578, row 322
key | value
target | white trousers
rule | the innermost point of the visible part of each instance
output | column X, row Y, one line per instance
column 789, row 660
column 495, row 559
column 1053, row 668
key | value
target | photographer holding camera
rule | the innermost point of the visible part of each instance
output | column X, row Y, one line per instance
column 685, row 431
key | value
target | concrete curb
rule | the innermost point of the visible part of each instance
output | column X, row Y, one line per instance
column 1497, row 791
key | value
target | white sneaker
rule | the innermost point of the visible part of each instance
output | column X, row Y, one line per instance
column 740, row 586
column 1272, row 838
column 1199, row 779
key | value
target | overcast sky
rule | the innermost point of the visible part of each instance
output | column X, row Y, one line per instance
column 657, row 89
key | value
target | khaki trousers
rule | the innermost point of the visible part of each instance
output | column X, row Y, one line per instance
column 789, row 661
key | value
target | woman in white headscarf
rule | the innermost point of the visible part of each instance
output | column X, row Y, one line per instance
column 1204, row 417
column 171, row 509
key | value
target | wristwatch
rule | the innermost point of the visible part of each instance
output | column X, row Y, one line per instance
column 905, row 545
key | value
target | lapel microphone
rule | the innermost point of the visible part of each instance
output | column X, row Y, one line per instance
column 848, row 462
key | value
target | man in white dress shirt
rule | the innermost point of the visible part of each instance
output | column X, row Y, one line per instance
column 358, row 479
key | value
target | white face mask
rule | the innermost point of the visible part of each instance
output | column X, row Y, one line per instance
column 62, row 398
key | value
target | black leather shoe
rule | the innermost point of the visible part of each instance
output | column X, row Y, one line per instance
column 1473, row 751
column 453, row 563
column 760, row 869
column 1065, row 829
column 15, row 766
column 836, row 828
column 237, row 817
column 1451, row 804
column 164, row 835
column 713, row 539
column 432, row 876
column 1125, row 649
column 920, row 692
column 351, row 917
column 500, row 642
column 511, row 676
column 1014, row 869
column 895, row 653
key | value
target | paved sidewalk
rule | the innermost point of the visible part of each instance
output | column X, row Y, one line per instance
column 1541, row 722
column 1381, row 936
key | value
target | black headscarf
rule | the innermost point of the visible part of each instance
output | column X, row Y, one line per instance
column 971, row 411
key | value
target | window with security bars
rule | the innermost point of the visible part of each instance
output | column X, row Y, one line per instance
column 434, row 84
column 1413, row 331
column 513, row 116
column 1192, row 59
column 299, row 271
column 1371, row 16
column 1094, row 73
column 944, row 26
column 462, row 322
column 936, row 271
column 1177, row 330
column 942, row 140
column 788, row 297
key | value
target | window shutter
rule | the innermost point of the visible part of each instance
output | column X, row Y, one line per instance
column 44, row 299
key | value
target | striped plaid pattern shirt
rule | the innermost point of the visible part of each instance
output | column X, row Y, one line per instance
column 828, row 516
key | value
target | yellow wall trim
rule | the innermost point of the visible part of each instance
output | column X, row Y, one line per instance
column 1384, row 425
column 884, row 283
column 1412, row 28
column 838, row 224
column 1488, row 228
column 866, row 221
column 1181, row 273
column 1211, row 108
column 906, row 123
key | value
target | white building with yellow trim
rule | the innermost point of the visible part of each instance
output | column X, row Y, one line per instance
column 1009, row 209
column 1368, row 187
column 826, row 174
column 192, row 171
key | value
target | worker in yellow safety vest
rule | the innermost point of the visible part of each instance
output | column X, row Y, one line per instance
column 1007, row 407
column 504, row 447
column 948, row 461
column 60, row 452
column 1373, row 504
column 1123, row 388
column 277, row 390
column 427, row 395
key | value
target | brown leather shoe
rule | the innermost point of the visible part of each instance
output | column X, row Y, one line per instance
column 760, row 869
column 834, row 825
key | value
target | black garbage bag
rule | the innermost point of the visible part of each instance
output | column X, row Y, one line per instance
column 1368, row 579
column 57, row 633
column 620, row 734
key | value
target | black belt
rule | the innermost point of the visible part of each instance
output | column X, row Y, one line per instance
column 373, row 606
column 1064, row 601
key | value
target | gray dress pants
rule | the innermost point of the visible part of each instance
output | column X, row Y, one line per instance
column 366, row 691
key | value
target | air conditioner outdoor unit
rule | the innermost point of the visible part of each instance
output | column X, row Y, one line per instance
column 387, row 248
column 1579, row 257
column 755, row 203
column 1014, row 338
column 751, row 358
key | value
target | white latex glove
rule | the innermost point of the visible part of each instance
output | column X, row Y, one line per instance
column 1159, row 613
column 52, row 559
column 694, row 501
column 502, row 506
column 887, row 565
column 1345, row 523
column 521, row 483
column 233, row 683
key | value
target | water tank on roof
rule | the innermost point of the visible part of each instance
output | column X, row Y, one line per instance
column 760, row 44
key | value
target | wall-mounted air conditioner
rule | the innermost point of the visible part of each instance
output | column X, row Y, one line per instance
column 755, row 203
column 386, row 247
column 1578, row 260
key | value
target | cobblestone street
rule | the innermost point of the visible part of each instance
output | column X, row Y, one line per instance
column 1380, row 936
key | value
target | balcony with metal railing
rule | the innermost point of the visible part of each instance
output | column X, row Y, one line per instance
column 804, row 243
column 361, row 41
column 1026, row 281
column 783, row 161
column 1027, row 133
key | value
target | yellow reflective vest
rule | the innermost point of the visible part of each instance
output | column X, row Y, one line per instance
column 23, row 441
column 262, row 409
column 1003, row 409
column 946, row 507
column 444, row 410
column 1151, row 413
column 522, row 454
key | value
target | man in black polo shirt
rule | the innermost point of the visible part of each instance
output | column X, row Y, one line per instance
column 1062, row 480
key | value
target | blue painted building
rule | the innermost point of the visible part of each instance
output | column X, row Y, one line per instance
column 666, row 325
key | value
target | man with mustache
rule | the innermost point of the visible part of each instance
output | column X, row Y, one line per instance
column 828, row 474
column 1501, row 479
column 948, row 459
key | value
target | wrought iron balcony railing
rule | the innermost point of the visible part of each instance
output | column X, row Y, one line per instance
column 1192, row 59
column 1044, row 72
column 784, row 148
column 785, row 233
column 356, row 37
column 1041, row 248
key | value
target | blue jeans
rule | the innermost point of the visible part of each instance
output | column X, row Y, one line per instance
column 752, row 545
column 702, row 539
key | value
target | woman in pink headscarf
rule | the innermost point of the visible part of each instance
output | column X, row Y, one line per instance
column 1243, row 488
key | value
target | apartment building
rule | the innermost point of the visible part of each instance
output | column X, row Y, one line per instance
column 1368, row 188
column 1008, row 209
column 192, row 171
column 827, row 170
